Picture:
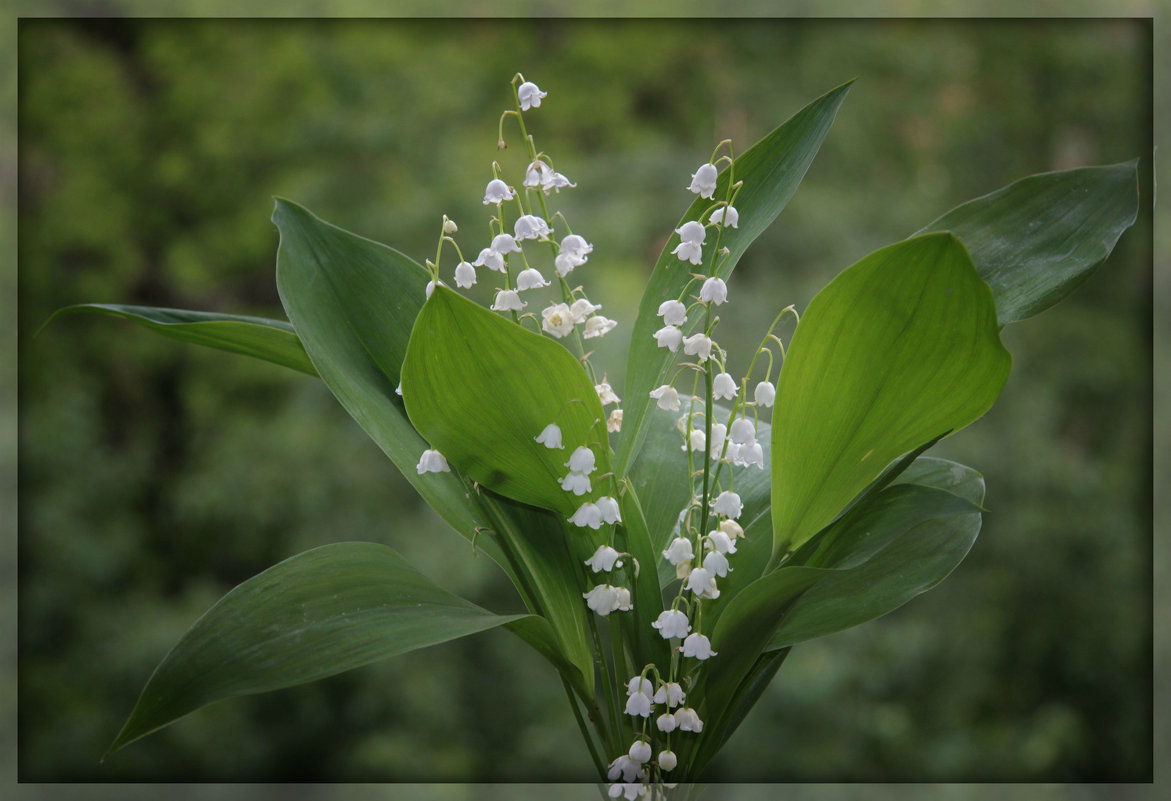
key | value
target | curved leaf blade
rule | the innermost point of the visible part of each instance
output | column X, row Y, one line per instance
column 319, row 613
column 899, row 349
column 481, row 388
column 270, row 340
column 1036, row 240
column 771, row 171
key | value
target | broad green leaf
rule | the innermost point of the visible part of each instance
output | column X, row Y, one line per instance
column 770, row 170
column 899, row 349
column 907, row 541
column 1036, row 240
column 271, row 340
column 481, row 388
column 353, row 303
column 956, row 478
column 321, row 612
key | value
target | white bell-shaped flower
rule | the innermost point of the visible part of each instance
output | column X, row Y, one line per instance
column 577, row 483
column 497, row 192
column 507, row 300
column 720, row 541
column 432, row 461
column 688, row 720
column 622, row 598
column 530, row 279
column 608, row 507
column 702, row 583
column 639, row 684
column 743, row 431
column 465, row 275
column 537, row 173
column 626, row 768
column 449, row 226
column 673, row 312
column 698, row 646
column 505, row 243
column 698, row 345
column 557, row 320
column 689, row 251
column 667, row 759
column 716, row 564
column 606, row 393
column 671, row 694
column 576, row 246
column 719, row 434
column 697, row 439
column 491, row 259
column 666, row 397
column 603, row 599
column 581, row 308
column 550, row 436
column 764, row 394
column 628, row 790
column 728, row 504
column 714, row 290
column 669, row 337
column 679, row 551
column 729, row 217
column 530, row 226
column 665, row 722
column 614, row 421
column 724, row 387
column 692, row 231
column 750, row 455
column 732, row 530
column 672, row 623
column 529, row 95
column 582, row 460
column 587, row 516
column 598, row 326
column 604, row 559
column 640, row 751
column 703, row 180
column 430, row 288
column 639, row 705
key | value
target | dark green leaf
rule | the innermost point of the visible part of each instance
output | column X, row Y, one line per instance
column 271, row 340
column 321, row 612
column 1036, row 240
column 899, row 349
column 771, row 170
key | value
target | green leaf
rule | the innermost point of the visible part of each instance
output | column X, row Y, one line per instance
column 1036, row 240
column 271, row 340
column 771, row 170
column 321, row 612
column 906, row 541
column 899, row 349
column 481, row 388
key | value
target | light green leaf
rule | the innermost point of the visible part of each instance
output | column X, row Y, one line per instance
column 321, row 612
column 771, row 170
column 271, row 340
column 899, row 349
column 481, row 388
column 1036, row 240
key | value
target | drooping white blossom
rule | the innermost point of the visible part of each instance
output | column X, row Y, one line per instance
column 465, row 275
column 732, row 530
column 639, row 684
column 598, row 326
column 530, row 226
column 628, row 790
column 497, row 192
column 671, row 693
column 743, row 431
column 697, row 439
column 639, row 705
column 750, row 455
column 491, row 259
column 529, row 95
column 692, row 231
column 764, row 394
column 614, row 421
column 665, row 722
column 587, row 516
column 669, row 337
column 724, row 387
column 716, row 564
column 507, row 300
column 640, row 751
column 698, row 345
column 667, row 759
column 729, row 217
column 550, row 436
column 608, row 507
column 714, row 290
column 728, row 504
column 432, row 461
column 604, row 559
column 581, row 308
column 702, row 583
column 698, row 646
column 504, row 243
column 688, row 720
column 557, row 320
column 672, row 623
column 719, row 434
column 536, row 172
column 679, row 551
column 720, row 541
column 430, row 288
column 577, row 483
column 530, row 279
column 666, row 397
column 703, row 180
column 582, row 460
column 604, row 599
column 673, row 312
column 574, row 251
column 606, row 393
column 689, row 250
column 449, row 226
column 625, row 767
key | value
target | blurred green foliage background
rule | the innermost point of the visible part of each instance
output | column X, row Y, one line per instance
column 154, row 476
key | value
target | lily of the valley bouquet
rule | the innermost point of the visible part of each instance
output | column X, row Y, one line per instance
column 674, row 538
